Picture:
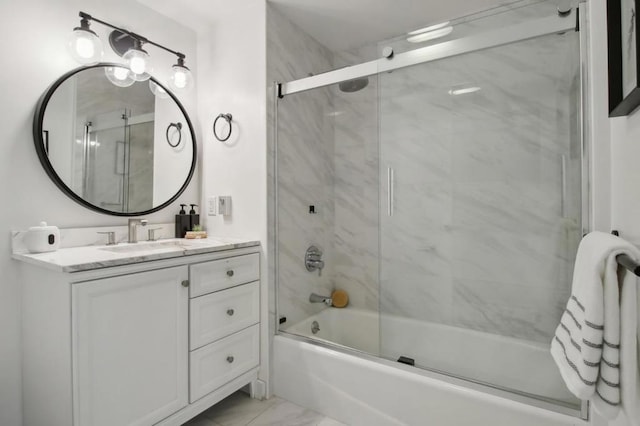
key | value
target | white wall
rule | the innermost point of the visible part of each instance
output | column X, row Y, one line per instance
column 625, row 176
column 616, row 185
column 597, row 115
column 170, row 164
column 232, row 79
column 232, row 63
column 34, row 36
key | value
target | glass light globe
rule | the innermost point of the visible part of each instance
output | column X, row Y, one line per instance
column 158, row 90
column 181, row 77
column 85, row 46
column 120, row 76
column 138, row 62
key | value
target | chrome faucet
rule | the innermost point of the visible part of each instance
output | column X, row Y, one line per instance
column 133, row 228
column 316, row 298
column 312, row 259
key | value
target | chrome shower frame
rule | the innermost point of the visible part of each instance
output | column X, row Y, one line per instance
column 499, row 37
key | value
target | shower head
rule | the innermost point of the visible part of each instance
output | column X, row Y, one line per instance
column 354, row 85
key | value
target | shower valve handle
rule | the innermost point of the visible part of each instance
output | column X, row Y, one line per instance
column 313, row 260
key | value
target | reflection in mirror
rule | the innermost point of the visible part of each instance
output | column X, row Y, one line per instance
column 115, row 149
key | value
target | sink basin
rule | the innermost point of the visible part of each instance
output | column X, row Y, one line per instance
column 166, row 245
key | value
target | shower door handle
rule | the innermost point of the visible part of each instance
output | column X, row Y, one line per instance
column 390, row 194
column 563, row 189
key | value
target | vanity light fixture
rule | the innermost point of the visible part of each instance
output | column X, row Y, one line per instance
column 181, row 77
column 138, row 61
column 86, row 48
column 84, row 44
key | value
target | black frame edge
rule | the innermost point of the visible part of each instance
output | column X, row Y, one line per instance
column 46, row 164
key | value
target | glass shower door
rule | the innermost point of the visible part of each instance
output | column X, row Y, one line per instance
column 480, row 171
column 105, row 148
column 117, row 157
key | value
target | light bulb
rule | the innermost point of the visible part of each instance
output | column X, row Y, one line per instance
column 138, row 65
column 158, row 90
column 138, row 62
column 85, row 46
column 120, row 73
column 119, row 76
column 181, row 77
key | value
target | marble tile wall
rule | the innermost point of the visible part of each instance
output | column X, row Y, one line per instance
column 356, row 182
column 306, row 169
column 477, row 238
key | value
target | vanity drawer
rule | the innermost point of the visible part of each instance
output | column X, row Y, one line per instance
column 217, row 275
column 219, row 314
column 218, row 363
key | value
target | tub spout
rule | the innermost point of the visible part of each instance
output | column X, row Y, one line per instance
column 316, row 298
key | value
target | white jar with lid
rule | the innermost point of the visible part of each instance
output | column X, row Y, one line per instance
column 43, row 238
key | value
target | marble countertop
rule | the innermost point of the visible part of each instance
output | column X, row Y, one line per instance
column 76, row 259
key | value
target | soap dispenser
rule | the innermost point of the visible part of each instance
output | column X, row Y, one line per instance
column 183, row 222
column 194, row 219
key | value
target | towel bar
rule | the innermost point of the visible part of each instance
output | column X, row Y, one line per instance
column 626, row 261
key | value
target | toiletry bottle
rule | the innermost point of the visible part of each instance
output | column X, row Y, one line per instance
column 194, row 219
column 182, row 222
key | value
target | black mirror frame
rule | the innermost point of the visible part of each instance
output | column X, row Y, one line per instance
column 619, row 105
column 48, row 167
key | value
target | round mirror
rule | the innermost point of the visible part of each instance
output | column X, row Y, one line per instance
column 114, row 145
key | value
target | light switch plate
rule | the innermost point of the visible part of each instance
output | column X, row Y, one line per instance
column 211, row 206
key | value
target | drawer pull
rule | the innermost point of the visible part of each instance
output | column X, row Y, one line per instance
column 230, row 273
column 185, row 283
column 230, row 312
column 229, row 359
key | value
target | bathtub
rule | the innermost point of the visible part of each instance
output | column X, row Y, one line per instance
column 359, row 389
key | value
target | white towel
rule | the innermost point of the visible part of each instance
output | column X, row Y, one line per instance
column 595, row 345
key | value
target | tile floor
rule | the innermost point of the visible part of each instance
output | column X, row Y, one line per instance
column 240, row 410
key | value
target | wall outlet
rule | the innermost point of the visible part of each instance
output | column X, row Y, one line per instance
column 211, row 206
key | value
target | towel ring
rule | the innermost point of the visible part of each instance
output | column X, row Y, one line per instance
column 227, row 117
column 178, row 127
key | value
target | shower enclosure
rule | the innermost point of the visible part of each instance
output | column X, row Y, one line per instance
column 112, row 168
column 444, row 185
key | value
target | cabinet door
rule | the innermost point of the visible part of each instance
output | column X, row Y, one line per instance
column 130, row 348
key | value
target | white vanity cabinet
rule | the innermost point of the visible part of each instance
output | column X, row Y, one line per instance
column 129, row 339
column 150, row 343
column 225, row 311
